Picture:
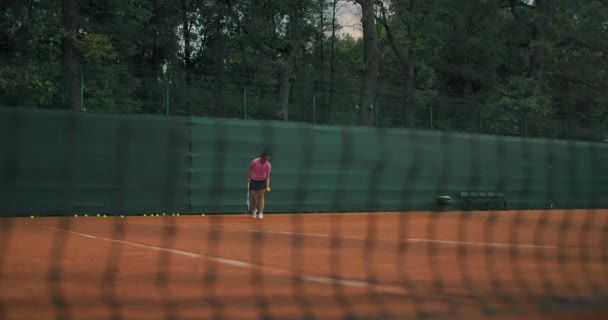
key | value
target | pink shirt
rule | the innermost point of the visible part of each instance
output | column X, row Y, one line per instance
column 260, row 171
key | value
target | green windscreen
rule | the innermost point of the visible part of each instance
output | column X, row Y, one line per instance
column 109, row 216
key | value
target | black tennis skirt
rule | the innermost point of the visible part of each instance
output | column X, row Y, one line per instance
column 257, row 185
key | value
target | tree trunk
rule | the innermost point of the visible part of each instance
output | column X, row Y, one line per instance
column 71, row 59
column 537, row 63
column 187, row 8
column 410, row 89
column 321, row 46
column 371, row 58
column 408, row 61
column 284, row 74
column 332, row 55
column 288, row 55
column 159, row 51
column 411, row 74
column 186, row 34
column 219, row 47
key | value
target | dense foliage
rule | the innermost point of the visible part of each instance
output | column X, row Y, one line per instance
column 516, row 67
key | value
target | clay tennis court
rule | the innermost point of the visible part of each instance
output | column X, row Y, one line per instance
column 476, row 265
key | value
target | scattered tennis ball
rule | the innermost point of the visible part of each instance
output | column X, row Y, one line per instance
column 163, row 213
column 31, row 217
column 267, row 189
column 104, row 216
column 177, row 214
column 202, row 214
column 86, row 215
column 98, row 215
column 145, row 215
column 122, row 216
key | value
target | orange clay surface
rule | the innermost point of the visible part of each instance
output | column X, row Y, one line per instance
column 476, row 265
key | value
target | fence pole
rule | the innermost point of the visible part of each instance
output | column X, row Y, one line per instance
column 431, row 115
column 81, row 91
column 314, row 109
column 480, row 121
column 245, row 102
column 602, row 129
column 525, row 124
column 376, row 112
column 167, row 85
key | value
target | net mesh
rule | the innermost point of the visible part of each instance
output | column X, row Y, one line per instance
column 145, row 217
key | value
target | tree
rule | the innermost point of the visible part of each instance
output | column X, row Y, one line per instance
column 332, row 56
column 500, row 66
column 409, row 27
column 278, row 29
column 370, row 69
column 295, row 16
column 30, row 54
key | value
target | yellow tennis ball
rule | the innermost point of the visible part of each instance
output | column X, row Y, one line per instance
column 75, row 216
column 86, row 215
column 122, row 216
column 31, row 217
column 98, row 215
column 104, row 216
column 177, row 214
column 267, row 189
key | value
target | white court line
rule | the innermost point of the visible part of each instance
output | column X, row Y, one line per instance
column 414, row 240
column 247, row 265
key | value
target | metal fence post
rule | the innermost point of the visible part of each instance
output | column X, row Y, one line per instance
column 431, row 115
column 602, row 129
column 314, row 109
column 81, row 91
column 376, row 112
column 167, row 85
column 480, row 121
column 525, row 124
column 245, row 102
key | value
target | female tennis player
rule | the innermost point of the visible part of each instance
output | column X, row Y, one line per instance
column 258, row 180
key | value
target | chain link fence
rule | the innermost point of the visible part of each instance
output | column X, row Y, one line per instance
column 119, row 89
